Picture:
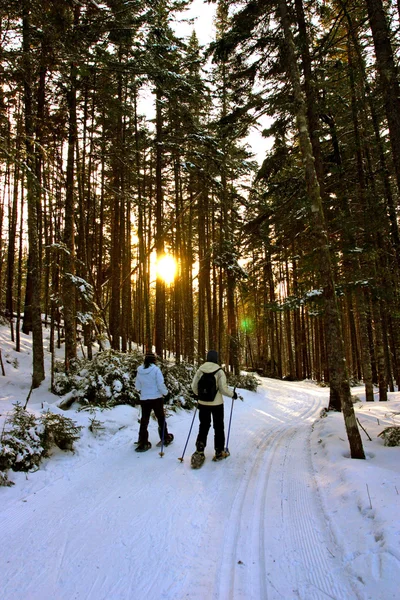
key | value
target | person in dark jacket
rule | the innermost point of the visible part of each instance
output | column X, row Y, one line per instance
column 211, row 410
column 150, row 384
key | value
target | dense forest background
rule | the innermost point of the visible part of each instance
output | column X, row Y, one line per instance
column 122, row 142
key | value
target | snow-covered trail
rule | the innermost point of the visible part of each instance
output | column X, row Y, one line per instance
column 128, row 526
column 280, row 546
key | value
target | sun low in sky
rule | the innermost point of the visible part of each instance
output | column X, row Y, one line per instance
column 166, row 268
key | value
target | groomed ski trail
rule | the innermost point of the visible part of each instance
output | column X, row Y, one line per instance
column 124, row 526
column 283, row 549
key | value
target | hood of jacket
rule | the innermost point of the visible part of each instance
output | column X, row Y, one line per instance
column 147, row 371
column 209, row 367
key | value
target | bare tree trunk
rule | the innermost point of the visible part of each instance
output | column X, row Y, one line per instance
column 187, row 286
column 297, row 326
column 84, row 267
column 160, row 285
column 388, row 74
column 68, row 288
column 288, row 326
column 177, row 293
column 12, row 233
column 362, row 187
column 364, row 345
column 37, row 338
column 201, row 309
column 379, row 350
column 117, row 226
column 337, row 366
column 19, row 276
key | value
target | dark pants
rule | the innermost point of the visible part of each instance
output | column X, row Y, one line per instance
column 147, row 406
column 205, row 414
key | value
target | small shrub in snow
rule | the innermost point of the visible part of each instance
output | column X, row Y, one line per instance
column 21, row 446
column 27, row 439
column 63, row 383
column 105, row 381
column 59, row 431
column 4, row 481
column 178, row 379
column 95, row 425
column 391, row 436
column 244, row 381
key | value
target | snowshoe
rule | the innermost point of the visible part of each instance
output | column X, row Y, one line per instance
column 143, row 447
column 197, row 459
column 220, row 455
column 169, row 438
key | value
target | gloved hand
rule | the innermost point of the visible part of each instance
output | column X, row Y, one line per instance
column 234, row 395
column 167, row 397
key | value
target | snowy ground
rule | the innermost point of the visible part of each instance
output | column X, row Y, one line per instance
column 289, row 515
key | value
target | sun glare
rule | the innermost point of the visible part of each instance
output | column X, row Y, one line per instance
column 166, row 268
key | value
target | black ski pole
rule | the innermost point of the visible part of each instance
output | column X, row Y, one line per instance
column 190, row 431
column 229, row 427
column 161, row 453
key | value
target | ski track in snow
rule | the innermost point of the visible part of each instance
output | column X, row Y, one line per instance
column 285, row 538
column 248, row 528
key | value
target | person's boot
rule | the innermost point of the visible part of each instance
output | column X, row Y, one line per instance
column 198, row 457
column 143, row 447
column 168, row 437
column 220, row 455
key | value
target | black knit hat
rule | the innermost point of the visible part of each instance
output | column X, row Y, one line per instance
column 149, row 358
column 212, row 356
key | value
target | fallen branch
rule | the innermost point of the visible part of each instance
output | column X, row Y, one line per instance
column 29, row 395
column 365, row 431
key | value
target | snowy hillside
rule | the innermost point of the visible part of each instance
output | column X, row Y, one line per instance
column 289, row 515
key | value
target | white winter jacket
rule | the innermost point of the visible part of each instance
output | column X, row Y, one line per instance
column 210, row 367
column 150, row 383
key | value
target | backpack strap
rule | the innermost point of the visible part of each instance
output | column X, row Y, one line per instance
column 213, row 373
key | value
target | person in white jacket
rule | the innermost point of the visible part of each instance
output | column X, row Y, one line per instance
column 211, row 410
column 150, row 384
